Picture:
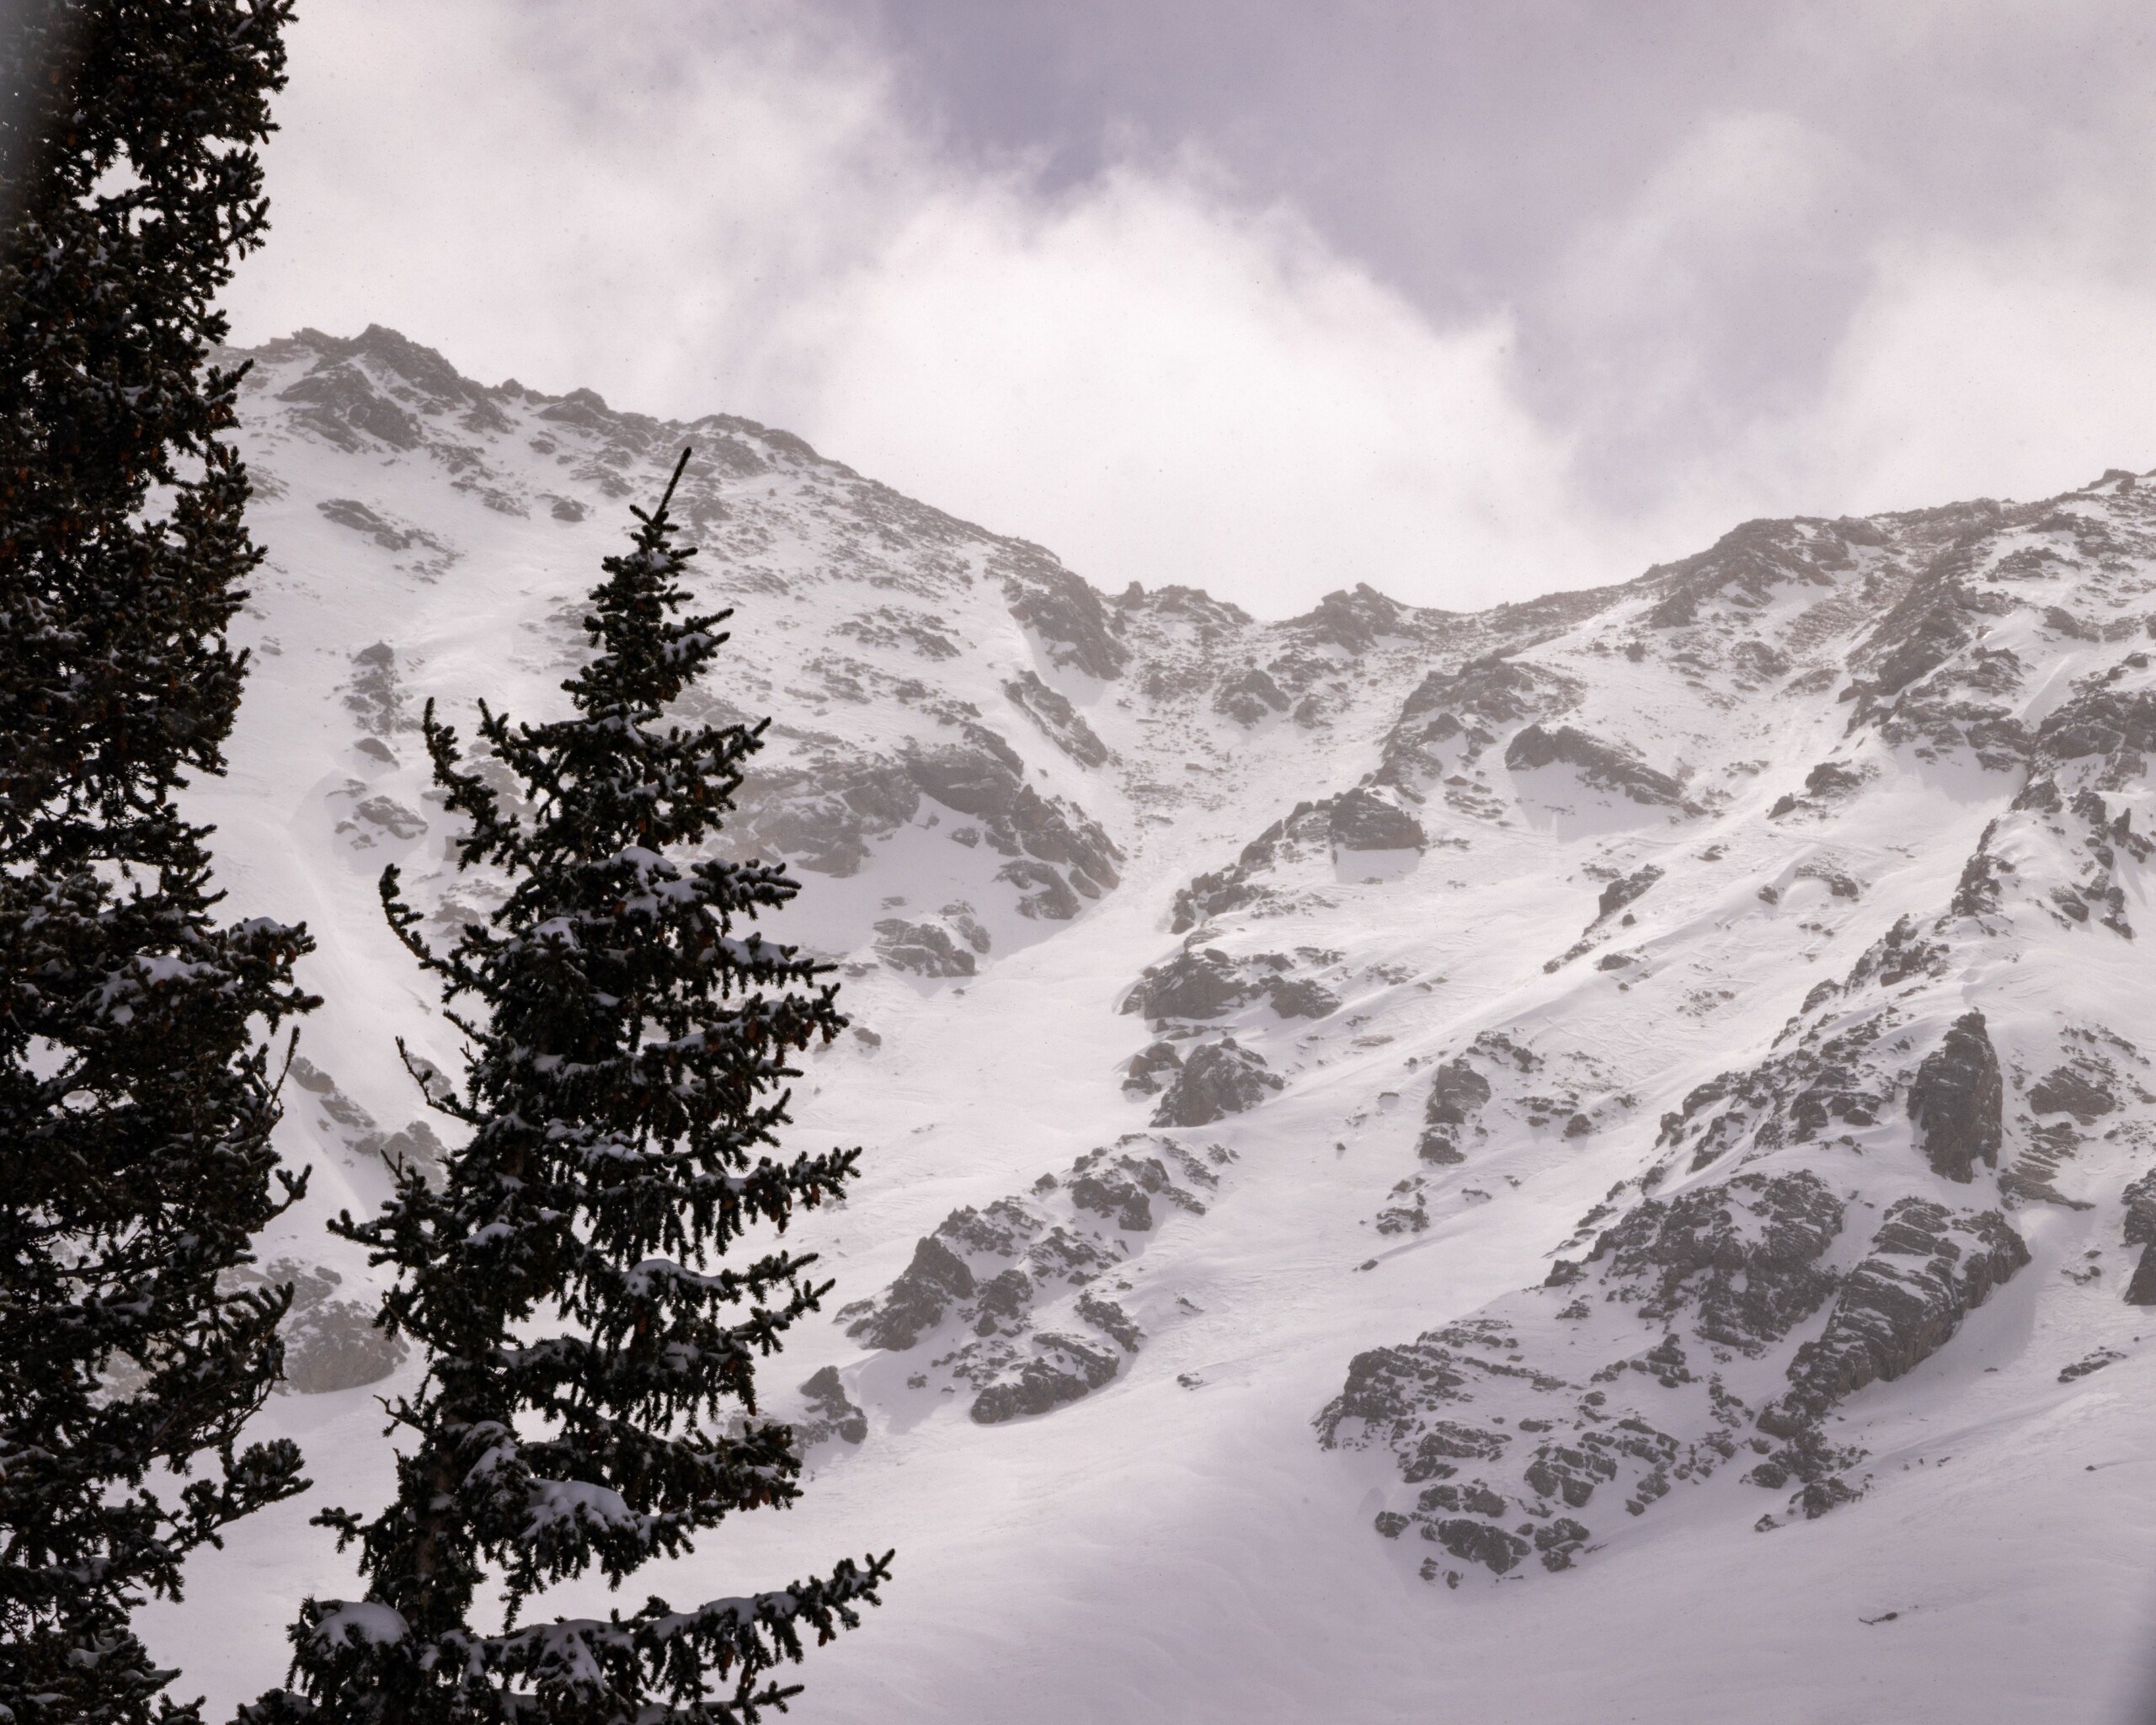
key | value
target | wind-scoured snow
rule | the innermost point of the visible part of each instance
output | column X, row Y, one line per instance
column 1585, row 1162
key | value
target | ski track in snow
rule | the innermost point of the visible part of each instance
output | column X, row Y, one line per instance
column 981, row 767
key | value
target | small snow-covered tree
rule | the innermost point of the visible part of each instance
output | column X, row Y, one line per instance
column 135, row 1103
column 590, row 1399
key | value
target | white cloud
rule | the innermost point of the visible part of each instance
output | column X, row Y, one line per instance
column 1167, row 390
column 2017, row 374
column 691, row 212
column 699, row 206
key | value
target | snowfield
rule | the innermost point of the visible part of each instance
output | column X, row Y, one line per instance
column 1582, row 1163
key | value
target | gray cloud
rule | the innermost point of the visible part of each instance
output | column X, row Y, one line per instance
column 1684, row 205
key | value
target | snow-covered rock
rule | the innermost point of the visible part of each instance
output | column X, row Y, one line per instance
column 1589, row 1104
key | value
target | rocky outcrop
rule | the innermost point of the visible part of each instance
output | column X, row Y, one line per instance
column 1060, row 722
column 1457, row 1094
column 832, row 1413
column 1626, row 890
column 1927, row 1268
column 1453, row 716
column 1746, row 1257
column 1200, row 983
column 2071, row 1089
column 1955, row 1100
column 921, row 948
column 1352, row 621
column 1216, row 1079
column 1061, row 609
column 1150, row 1069
column 916, row 1302
column 826, row 816
column 1241, row 885
column 1009, row 1298
column 2139, row 1202
column 1361, row 820
column 1062, row 1369
column 1744, row 568
column 1203, row 983
column 1828, row 783
column 1250, row 697
column 1603, row 766
column 414, row 1146
column 332, row 1343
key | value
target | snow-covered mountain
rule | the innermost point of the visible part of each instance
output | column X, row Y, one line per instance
column 1583, row 1161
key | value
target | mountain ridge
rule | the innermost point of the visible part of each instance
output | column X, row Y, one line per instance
column 1582, row 1079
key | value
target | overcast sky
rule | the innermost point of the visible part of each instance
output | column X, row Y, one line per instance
column 1467, row 300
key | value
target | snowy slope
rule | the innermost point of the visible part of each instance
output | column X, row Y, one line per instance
column 1576, row 1162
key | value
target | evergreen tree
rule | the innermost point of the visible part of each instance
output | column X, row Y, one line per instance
column 136, row 1105
column 590, row 1401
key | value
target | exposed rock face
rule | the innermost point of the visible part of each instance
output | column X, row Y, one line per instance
column 1063, row 1369
column 924, row 948
column 1728, row 1271
column 374, row 696
column 1498, row 1088
column 1748, row 565
column 1926, row 1270
column 1452, row 717
column 1746, row 1256
column 1626, row 890
column 1307, row 827
column 1363, row 820
column 2065, row 1090
column 1150, row 1068
column 331, row 1343
column 1457, row 1094
column 1219, row 1079
column 825, row 818
column 2139, row 1202
column 1352, row 621
column 416, row 1146
column 1602, row 764
column 983, row 782
column 1199, row 985
column 1019, row 1296
column 1249, row 697
column 1832, row 1078
column 1059, row 721
column 834, row 1413
column 918, row 1298
column 1202, row 984
column 1955, row 1101
column 828, row 818
column 1829, row 782
column 1063, row 610
column 1508, row 1451
column 1301, row 997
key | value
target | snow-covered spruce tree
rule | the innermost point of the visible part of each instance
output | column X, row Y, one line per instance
column 590, row 1401
column 135, row 1107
